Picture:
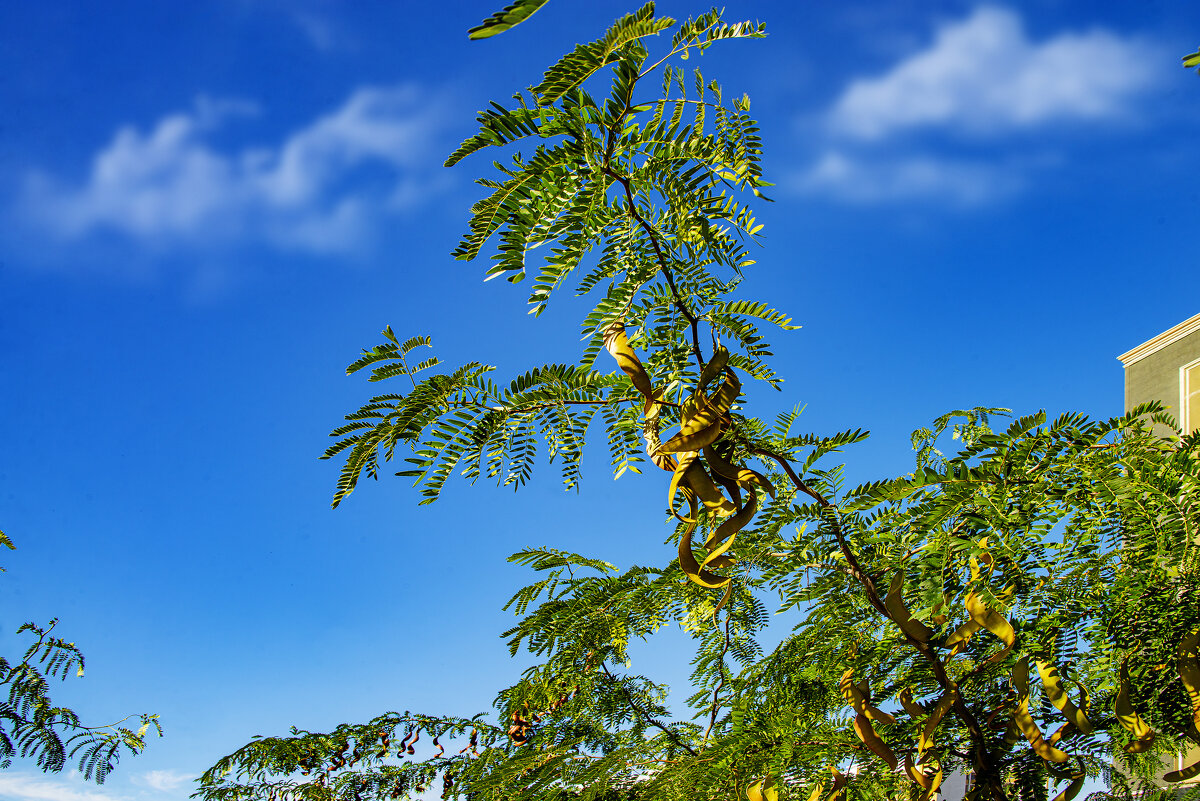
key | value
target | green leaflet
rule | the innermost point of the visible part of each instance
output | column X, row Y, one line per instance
column 508, row 17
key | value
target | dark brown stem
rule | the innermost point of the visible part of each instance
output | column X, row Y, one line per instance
column 609, row 147
column 716, row 696
column 663, row 267
column 985, row 769
column 644, row 715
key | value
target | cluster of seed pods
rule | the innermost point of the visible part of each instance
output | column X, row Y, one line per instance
column 520, row 725
column 927, row 775
column 696, row 458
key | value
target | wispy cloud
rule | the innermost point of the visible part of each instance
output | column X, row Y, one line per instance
column 322, row 188
column 319, row 30
column 26, row 787
column 944, row 124
column 859, row 180
column 984, row 76
column 164, row 780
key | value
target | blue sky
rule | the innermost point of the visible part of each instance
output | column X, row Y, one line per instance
column 210, row 208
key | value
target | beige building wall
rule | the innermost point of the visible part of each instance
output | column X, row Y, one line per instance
column 1167, row 369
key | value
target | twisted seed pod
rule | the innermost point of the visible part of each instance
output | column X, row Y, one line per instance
column 617, row 344
column 721, row 540
column 650, row 434
column 1052, row 683
column 704, row 419
column 894, row 603
column 994, row 622
column 1076, row 776
column 961, row 636
column 1131, row 720
column 928, row 783
column 864, row 712
column 1189, row 674
column 913, row 708
column 865, row 732
column 925, row 741
column 741, row 476
column 1024, row 720
column 838, row 793
column 856, row 697
column 703, row 425
column 687, row 560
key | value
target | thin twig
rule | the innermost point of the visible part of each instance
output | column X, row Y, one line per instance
column 644, row 715
column 716, row 696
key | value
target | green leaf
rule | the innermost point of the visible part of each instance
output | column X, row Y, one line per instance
column 581, row 63
column 508, row 17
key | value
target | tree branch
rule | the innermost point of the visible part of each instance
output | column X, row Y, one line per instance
column 643, row 714
column 716, row 696
column 663, row 267
column 985, row 767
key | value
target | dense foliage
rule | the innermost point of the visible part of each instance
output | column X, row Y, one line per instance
column 32, row 727
column 1023, row 608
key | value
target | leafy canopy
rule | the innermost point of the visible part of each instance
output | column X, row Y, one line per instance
column 33, row 727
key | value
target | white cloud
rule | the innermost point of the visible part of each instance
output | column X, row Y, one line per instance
column 317, row 30
column 944, row 124
column 983, row 75
column 846, row 178
column 25, row 787
column 320, row 189
column 164, row 780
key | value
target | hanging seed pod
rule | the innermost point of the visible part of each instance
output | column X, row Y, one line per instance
column 856, row 697
column 894, row 603
column 1052, row 684
column 927, row 782
column 1024, row 720
column 1077, row 777
column 913, row 708
column 961, row 637
column 838, row 793
column 862, row 727
column 723, row 536
column 762, row 790
column 925, row 741
column 617, row 344
column 687, row 560
column 650, row 434
column 1130, row 720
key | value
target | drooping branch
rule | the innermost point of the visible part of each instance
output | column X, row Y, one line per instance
column 645, row 716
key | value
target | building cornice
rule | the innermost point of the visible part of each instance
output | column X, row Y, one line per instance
column 1171, row 335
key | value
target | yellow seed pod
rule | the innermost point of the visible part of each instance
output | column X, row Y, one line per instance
column 1189, row 674
column 865, row 732
column 935, row 717
column 894, row 603
column 1131, row 720
column 617, row 344
column 762, row 790
column 1025, row 721
column 1052, row 683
